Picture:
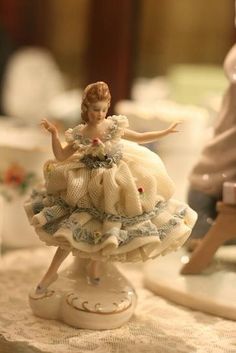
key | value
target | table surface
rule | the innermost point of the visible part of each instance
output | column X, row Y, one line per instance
column 157, row 326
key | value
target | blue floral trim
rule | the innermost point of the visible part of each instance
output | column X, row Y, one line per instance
column 113, row 128
column 101, row 216
column 51, row 228
column 166, row 228
column 49, row 215
column 81, row 234
column 37, row 206
column 126, row 221
column 124, row 236
column 38, row 194
column 94, row 162
column 59, row 201
column 110, row 134
column 86, row 141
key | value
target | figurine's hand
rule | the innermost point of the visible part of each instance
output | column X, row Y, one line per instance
column 48, row 126
column 172, row 127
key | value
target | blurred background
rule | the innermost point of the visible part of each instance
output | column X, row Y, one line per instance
column 99, row 39
column 162, row 60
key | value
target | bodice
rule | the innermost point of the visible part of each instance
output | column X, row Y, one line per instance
column 99, row 152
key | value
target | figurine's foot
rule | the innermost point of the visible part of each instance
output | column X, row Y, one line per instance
column 89, row 306
column 44, row 284
column 40, row 289
column 93, row 272
column 93, row 281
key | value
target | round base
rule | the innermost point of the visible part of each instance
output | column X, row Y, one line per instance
column 213, row 291
column 76, row 301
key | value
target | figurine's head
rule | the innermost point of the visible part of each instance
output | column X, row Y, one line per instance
column 93, row 93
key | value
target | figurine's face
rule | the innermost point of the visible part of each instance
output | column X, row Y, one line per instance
column 97, row 112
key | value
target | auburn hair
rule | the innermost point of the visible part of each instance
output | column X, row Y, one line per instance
column 95, row 92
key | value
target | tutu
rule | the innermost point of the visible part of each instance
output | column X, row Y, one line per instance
column 111, row 200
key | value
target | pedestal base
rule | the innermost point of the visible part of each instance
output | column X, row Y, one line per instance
column 79, row 303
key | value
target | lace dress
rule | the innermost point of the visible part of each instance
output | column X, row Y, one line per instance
column 111, row 200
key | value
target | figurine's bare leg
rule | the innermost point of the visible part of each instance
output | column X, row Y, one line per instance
column 94, row 272
column 51, row 274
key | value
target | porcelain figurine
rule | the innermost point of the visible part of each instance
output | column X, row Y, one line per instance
column 105, row 200
column 217, row 162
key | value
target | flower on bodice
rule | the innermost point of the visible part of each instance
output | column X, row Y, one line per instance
column 96, row 148
column 96, row 142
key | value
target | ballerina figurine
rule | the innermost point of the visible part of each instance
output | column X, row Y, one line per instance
column 106, row 198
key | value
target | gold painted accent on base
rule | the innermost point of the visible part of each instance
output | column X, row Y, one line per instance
column 86, row 309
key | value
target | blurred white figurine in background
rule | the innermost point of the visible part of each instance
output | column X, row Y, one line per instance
column 32, row 79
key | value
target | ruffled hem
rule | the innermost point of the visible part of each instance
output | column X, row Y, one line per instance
column 97, row 235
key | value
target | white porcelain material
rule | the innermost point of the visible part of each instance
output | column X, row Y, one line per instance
column 74, row 300
column 212, row 291
column 145, row 116
column 23, row 151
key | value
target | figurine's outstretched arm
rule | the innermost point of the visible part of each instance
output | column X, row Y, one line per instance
column 145, row 137
column 60, row 153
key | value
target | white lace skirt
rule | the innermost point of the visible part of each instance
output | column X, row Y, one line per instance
column 122, row 213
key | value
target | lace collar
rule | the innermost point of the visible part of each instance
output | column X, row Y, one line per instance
column 108, row 134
